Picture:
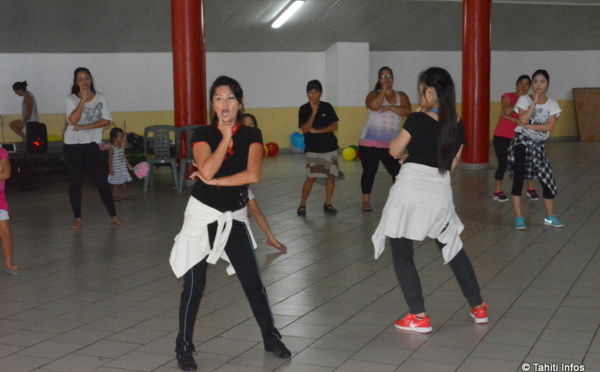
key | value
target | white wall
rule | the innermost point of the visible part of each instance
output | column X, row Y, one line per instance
column 567, row 69
column 408, row 65
column 143, row 81
column 347, row 68
column 132, row 81
column 272, row 79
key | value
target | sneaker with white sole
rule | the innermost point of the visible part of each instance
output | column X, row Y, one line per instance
column 412, row 323
column 553, row 221
column 520, row 223
column 479, row 314
column 532, row 194
column 499, row 196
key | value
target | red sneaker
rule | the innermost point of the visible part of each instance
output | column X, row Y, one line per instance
column 479, row 314
column 412, row 323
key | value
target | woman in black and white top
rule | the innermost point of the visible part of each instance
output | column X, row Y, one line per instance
column 87, row 114
column 527, row 153
column 228, row 156
column 420, row 202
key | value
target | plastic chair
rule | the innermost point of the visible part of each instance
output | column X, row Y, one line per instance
column 157, row 148
column 185, row 132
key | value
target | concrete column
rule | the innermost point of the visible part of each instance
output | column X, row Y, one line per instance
column 476, row 82
column 189, row 66
column 189, row 62
column 346, row 83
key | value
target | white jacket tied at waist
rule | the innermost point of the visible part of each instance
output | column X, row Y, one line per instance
column 420, row 205
column 192, row 244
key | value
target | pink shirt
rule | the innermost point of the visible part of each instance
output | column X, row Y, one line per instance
column 506, row 128
column 3, row 203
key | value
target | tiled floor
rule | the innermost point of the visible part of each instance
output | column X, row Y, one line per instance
column 104, row 298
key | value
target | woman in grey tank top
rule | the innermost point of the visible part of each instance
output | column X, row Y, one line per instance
column 29, row 111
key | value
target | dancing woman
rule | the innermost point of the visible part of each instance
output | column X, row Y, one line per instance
column 420, row 202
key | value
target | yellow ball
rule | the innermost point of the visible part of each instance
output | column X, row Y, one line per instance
column 349, row 154
column 265, row 151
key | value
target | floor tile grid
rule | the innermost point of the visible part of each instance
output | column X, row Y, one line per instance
column 367, row 236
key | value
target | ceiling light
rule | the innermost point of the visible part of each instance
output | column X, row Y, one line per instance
column 283, row 17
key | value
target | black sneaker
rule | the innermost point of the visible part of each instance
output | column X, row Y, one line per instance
column 329, row 209
column 278, row 348
column 533, row 194
column 186, row 361
column 499, row 196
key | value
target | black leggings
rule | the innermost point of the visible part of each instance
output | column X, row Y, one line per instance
column 519, row 174
column 370, row 158
column 80, row 157
column 501, row 149
column 241, row 254
column 410, row 283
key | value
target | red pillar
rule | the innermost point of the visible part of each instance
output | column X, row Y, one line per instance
column 476, row 80
column 189, row 62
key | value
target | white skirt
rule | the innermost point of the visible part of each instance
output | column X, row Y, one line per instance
column 420, row 205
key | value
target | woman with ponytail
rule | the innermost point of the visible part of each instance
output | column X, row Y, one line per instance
column 420, row 202
column 29, row 110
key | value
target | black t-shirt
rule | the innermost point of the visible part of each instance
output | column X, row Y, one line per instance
column 226, row 198
column 319, row 142
column 423, row 129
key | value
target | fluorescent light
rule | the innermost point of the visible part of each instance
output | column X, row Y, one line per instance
column 283, row 17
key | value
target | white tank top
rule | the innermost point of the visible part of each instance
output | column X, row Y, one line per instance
column 381, row 127
column 34, row 110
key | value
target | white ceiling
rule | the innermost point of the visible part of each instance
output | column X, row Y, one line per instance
column 96, row 26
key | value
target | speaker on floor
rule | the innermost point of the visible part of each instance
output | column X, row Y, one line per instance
column 37, row 137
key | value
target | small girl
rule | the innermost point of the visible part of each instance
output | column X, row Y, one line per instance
column 5, row 233
column 118, row 165
column 250, row 121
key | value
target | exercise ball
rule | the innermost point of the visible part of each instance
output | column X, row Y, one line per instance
column 355, row 149
column 297, row 140
column 272, row 149
column 349, row 154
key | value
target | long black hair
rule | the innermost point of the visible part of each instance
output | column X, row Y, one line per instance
column 237, row 91
column 441, row 82
column 75, row 87
column 20, row 85
column 378, row 84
